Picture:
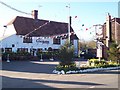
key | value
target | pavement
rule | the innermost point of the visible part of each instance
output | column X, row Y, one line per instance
column 36, row 74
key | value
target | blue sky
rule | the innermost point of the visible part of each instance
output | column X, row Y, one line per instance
column 88, row 13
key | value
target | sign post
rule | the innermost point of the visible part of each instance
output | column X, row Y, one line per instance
column 99, row 50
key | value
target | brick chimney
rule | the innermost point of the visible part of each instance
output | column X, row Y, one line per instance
column 35, row 14
column 108, row 29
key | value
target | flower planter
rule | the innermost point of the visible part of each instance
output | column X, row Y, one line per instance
column 86, row 70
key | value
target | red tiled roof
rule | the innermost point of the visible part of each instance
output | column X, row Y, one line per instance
column 24, row 25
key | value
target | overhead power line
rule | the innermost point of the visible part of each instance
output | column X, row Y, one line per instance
column 37, row 29
column 14, row 8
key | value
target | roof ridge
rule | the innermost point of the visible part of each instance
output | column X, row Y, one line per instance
column 56, row 21
column 11, row 22
column 42, row 19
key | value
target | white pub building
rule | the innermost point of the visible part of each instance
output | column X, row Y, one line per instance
column 33, row 34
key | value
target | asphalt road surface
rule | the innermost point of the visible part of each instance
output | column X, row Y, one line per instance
column 36, row 74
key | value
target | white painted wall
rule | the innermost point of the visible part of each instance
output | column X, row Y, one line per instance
column 17, row 40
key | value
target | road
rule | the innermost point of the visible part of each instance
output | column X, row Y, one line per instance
column 36, row 74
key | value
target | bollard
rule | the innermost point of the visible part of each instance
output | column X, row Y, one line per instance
column 8, row 58
column 51, row 59
column 79, row 65
column 41, row 58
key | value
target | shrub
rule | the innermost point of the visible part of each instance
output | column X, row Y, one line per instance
column 66, row 68
column 83, row 68
column 66, row 54
column 114, row 53
column 97, row 62
column 16, row 56
column 47, row 54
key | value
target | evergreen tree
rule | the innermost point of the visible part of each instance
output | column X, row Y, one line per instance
column 66, row 54
column 114, row 53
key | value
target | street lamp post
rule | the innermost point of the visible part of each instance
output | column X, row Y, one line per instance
column 2, row 42
column 69, row 22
